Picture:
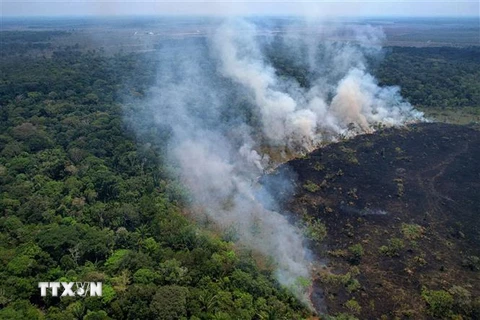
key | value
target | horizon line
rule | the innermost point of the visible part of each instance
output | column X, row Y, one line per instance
column 139, row 15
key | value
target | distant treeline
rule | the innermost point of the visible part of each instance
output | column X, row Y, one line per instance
column 27, row 42
column 434, row 77
column 429, row 77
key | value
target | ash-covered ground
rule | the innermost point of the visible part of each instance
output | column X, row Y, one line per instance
column 401, row 211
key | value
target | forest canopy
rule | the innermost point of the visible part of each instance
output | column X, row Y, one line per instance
column 84, row 198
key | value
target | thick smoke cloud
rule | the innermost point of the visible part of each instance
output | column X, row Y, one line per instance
column 297, row 117
column 229, row 111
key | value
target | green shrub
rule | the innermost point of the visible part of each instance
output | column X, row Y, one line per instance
column 353, row 306
column 316, row 230
column 356, row 253
column 353, row 285
column 462, row 299
column 439, row 303
column 318, row 166
column 395, row 245
column 412, row 231
column 311, row 187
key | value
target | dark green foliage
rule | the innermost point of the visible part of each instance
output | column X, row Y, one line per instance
column 355, row 253
column 439, row 302
column 83, row 199
column 394, row 247
column 170, row 302
column 20, row 309
column 434, row 77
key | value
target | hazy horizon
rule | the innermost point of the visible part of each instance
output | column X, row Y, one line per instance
column 341, row 9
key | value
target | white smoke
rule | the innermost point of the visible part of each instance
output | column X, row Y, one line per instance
column 296, row 117
column 209, row 94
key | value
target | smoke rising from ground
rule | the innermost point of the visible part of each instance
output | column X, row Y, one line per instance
column 300, row 117
column 225, row 101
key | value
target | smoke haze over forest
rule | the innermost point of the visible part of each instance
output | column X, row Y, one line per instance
column 230, row 113
column 240, row 160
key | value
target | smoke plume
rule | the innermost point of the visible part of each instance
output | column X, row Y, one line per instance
column 230, row 108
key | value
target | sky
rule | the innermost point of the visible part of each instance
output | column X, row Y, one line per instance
column 347, row 8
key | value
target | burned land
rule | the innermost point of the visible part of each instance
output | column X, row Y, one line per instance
column 130, row 155
column 400, row 209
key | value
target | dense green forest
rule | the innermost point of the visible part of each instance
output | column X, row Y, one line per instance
column 83, row 199
column 439, row 77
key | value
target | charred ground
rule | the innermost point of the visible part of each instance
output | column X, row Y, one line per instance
column 401, row 211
